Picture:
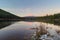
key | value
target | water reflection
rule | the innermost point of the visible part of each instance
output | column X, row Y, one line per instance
column 21, row 30
column 5, row 23
column 18, row 31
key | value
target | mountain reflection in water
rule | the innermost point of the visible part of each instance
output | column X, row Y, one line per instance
column 5, row 23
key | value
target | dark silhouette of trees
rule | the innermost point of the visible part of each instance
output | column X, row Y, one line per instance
column 4, row 15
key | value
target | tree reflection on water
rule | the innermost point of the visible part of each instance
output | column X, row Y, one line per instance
column 5, row 23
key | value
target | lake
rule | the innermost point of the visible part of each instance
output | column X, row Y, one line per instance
column 22, row 30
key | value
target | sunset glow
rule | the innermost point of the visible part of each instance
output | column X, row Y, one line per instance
column 31, row 7
column 30, row 14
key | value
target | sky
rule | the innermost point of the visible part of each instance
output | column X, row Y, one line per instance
column 31, row 7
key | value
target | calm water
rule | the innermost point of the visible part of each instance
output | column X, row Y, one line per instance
column 18, row 31
column 21, row 30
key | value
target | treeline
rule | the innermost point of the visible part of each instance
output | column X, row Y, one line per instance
column 55, row 19
column 4, row 15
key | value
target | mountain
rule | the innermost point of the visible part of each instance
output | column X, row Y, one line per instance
column 4, row 15
column 53, row 19
column 7, row 18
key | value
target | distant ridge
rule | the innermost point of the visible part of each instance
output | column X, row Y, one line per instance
column 54, row 19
